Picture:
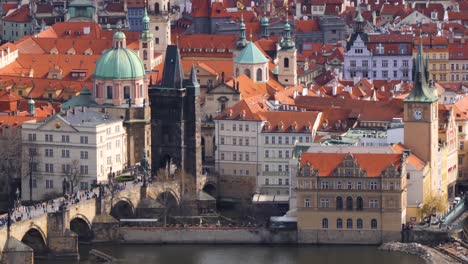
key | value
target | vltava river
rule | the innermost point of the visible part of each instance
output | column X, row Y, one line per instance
column 244, row 254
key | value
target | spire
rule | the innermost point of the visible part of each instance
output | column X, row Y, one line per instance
column 359, row 21
column 173, row 73
column 265, row 26
column 192, row 85
column 146, row 34
column 421, row 91
column 242, row 42
column 287, row 42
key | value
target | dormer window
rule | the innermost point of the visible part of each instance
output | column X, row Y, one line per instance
column 267, row 127
column 280, row 128
column 434, row 15
column 380, row 49
column 293, row 128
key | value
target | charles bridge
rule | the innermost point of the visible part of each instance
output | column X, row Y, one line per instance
column 56, row 232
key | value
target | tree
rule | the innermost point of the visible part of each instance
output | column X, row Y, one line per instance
column 10, row 161
column 433, row 205
column 73, row 175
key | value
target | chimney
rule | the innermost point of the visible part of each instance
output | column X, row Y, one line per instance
column 305, row 91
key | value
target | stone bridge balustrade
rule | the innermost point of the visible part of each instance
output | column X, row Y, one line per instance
column 53, row 230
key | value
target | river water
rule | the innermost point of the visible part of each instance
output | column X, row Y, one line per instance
column 243, row 254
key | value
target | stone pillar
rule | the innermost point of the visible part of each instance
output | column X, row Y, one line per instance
column 17, row 252
column 61, row 241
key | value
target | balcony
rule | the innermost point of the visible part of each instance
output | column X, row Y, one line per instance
column 275, row 173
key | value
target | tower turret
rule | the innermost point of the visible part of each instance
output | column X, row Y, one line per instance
column 146, row 45
column 265, row 26
column 287, row 58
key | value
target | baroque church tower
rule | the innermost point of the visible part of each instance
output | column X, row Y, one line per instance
column 175, row 121
column 287, row 58
column 421, row 115
column 146, row 44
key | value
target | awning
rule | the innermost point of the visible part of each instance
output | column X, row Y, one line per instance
column 265, row 198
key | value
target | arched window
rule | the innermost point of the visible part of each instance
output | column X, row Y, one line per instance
column 359, row 223
column 145, row 54
column 237, row 72
column 339, row 223
column 109, row 92
column 325, row 223
column 286, row 62
column 349, row 203
column 339, row 203
column 247, row 72
column 373, row 224
column 359, row 203
column 349, row 223
column 259, row 75
column 126, row 92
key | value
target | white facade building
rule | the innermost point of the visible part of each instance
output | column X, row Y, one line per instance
column 80, row 142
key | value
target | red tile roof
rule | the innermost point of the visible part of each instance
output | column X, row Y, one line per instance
column 20, row 15
column 373, row 164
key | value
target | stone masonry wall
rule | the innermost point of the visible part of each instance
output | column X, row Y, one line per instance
column 203, row 235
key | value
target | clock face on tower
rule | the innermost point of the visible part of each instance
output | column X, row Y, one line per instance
column 417, row 114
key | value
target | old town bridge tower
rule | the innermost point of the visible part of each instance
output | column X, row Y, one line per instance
column 175, row 122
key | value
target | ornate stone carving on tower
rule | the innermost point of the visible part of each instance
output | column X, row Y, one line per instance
column 175, row 123
column 287, row 58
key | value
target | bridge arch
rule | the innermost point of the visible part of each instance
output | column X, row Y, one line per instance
column 123, row 208
column 35, row 238
column 210, row 188
column 82, row 227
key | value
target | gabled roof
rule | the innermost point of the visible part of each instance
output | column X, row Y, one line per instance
column 251, row 55
column 372, row 163
column 19, row 15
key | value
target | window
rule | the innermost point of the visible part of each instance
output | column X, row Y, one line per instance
column 350, row 185
column 241, row 127
column 267, row 153
column 65, row 138
column 247, row 157
column 286, row 168
column 385, row 64
column 307, row 202
column 267, row 167
column 373, row 185
column 395, row 74
column 391, row 186
column 339, row 223
column 384, row 74
column 222, row 156
column 83, row 154
column 65, row 153
column 246, row 127
column 31, row 137
column 359, row 223
column 280, row 168
column 374, row 224
column 109, row 92
column 109, row 145
column 117, row 143
column 395, row 63
column 234, row 141
column 222, row 140
column 234, row 156
column 280, row 154
column 324, row 185
column 374, row 203
column 405, row 64
column 324, row 223
column 267, row 140
column 324, row 203
column 66, row 168
column 359, row 203
column 49, row 168
column 234, row 127
column 286, row 140
column 49, row 138
column 352, row 63
column 349, row 223
column 339, row 203
column 462, row 145
column 286, row 154
column 240, row 141
column 84, row 169
column 280, row 140
column 273, row 141
column 126, row 92
column 222, row 126
column 359, row 185
column 241, row 156
column 247, row 141
column 280, row 181
column 49, row 184
column 84, row 140
column 267, row 181
column 286, row 182
column 109, row 160
column 286, row 62
column 259, row 75
column 84, row 186
column 49, row 152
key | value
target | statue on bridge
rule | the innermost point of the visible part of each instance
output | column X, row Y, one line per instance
column 144, row 167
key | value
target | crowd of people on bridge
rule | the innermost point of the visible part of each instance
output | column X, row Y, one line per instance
column 23, row 212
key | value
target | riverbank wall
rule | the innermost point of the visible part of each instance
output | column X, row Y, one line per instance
column 206, row 235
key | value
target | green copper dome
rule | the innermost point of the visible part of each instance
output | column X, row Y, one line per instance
column 118, row 35
column 250, row 55
column 119, row 62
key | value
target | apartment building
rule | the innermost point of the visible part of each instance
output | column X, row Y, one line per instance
column 79, row 147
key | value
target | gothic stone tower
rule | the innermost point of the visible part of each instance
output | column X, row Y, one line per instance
column 421, row 116
column 175, row 121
